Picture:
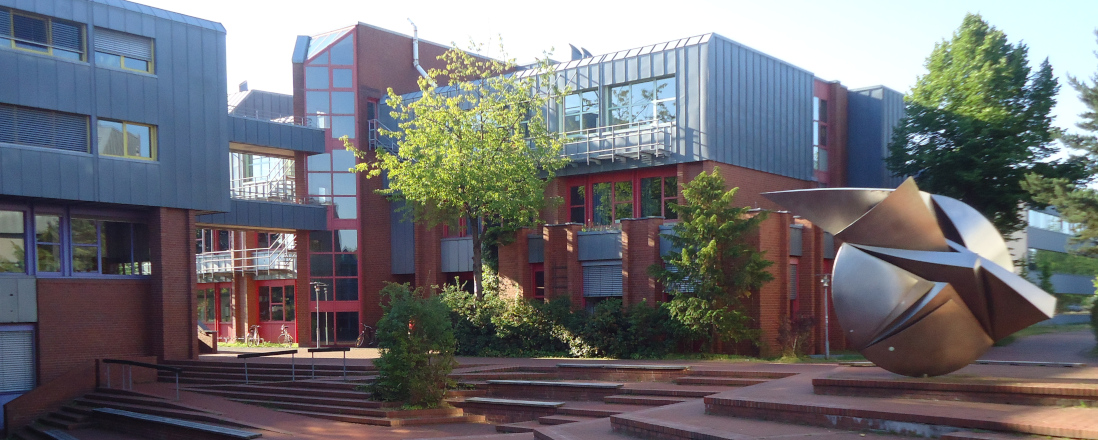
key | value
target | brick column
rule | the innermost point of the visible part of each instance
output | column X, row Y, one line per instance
column 563, row 273
column 640, row 249
column 772, row 300
column 302, row 290
column 172, row 305
column 375, row 257
column 429, row 256
column 808, row 279
column 514, row 266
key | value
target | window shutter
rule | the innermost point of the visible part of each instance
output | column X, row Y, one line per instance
column 67, row 36
column 16, row 361
column 121, row 43
column 43, row 128
column 602, row 280
column 5, row 23
column 30, row 29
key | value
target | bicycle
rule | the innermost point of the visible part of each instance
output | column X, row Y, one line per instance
column 252, row 337
column 284, row 338
column 363, row 340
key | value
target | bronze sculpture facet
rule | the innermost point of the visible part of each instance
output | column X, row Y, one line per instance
column 923, row 284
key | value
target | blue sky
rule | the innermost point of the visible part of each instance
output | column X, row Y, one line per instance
column 858, row 42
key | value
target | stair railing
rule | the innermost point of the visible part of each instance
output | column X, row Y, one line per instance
column 127, row 372
column 246, row 356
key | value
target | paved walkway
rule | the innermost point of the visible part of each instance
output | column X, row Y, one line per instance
column 1049, row 347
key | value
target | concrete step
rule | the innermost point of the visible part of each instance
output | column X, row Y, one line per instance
column 643, row 400
column 563, row 419
column 719, row 380
column 160, row 411
column 527, row 426
column 670, row 391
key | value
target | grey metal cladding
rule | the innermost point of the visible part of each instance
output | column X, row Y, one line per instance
column 796, row 240
column 402, row 237
column 759, row 111
column 184, row 98
column 457, row 254
column 276, row 135
column 600, row 245
column 872, row 115
column 261, row 214
column 1043, row 239
column 535, row 249
column 1073, row 284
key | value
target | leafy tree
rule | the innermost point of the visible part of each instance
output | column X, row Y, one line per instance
column 475, row 146
column 1076, row 201
column 977, row 122
column 417, row 349
column 715, row 268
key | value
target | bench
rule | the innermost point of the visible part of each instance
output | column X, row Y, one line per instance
column 555, row 384
column 514, row 402
column 203, row 429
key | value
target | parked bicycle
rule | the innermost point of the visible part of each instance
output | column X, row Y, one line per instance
column 368, row 337
column 252, row 337
column 284, row 338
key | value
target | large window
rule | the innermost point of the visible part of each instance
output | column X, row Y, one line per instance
column 13, row 242
column 657, row 195
column 334, row 264
column 47, row 240
column 622, row 195
column 43, row 128
column 110, row 247
column 581, row 111
column 124, row 51
column 127, row 139
column 642, row 103
column 276, row 303
column 819, row 134
column 39, row 34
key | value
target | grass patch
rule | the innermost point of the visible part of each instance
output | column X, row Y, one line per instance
column 1038, row 329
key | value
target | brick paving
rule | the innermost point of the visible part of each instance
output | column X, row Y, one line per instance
column 1049, row 347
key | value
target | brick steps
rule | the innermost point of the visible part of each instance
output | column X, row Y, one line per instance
column 719, row 380
column 563, row 419
column 373, row 410
column 196, row 416
column 527, row 426
column 742, row 374
column 686, row 391
column 282, row 390
column 492, row 375
column 394, row 422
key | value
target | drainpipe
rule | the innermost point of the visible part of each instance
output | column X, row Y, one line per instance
column 415, row 53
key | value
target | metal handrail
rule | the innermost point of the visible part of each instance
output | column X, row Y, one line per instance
column 292, row 353
column 127, row 367
column 376, row 140
column 276, row 117
column 602, row 143
column 280, row 255
column 312, row 359
column 278, row 185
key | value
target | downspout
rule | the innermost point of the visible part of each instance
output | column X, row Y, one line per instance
column 415, row 53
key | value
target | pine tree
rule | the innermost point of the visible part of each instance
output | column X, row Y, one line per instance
column 977, row 122
column 714, row 268
column 1076, row 202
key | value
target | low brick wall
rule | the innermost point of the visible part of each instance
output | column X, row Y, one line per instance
column 620, row 374
column 500, row 414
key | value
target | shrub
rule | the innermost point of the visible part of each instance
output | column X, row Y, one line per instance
column 417, row 348
column 793, row 333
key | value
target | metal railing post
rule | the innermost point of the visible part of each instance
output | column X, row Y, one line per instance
column 312, row 361
column 108, row 376
column 246, row 373
column 345, row 365
column 293, row 368
column 176, row 386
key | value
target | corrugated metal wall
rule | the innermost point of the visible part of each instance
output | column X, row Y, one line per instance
column 872, row 115
column 272, row 134
column 185, row 99
column 261, row 214
column 457, row 254
column 759, row 112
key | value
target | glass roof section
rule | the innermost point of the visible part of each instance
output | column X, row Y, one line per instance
column 322, row 41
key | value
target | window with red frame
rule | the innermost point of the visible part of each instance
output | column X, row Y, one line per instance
column 276, row 303
column 606, row 203
column 461, row 230
column 656, row 196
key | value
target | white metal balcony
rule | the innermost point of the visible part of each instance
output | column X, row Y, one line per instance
column 280, row 256
column 619, row 142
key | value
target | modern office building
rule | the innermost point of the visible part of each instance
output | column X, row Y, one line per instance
column 114, row 139
column 640, row 122
column 1047, row 239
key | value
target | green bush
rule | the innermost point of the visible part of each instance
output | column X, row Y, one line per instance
column 417, row 348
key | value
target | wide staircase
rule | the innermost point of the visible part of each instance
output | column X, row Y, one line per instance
column 134, row 413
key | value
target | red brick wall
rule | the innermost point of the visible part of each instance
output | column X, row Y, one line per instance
column 556, row 212
column 172, row 306
column 563, row 273
column 49, row 397
column 771, row 302
column 375, row 267
column 640, row 249
column 429, row 256
column 515, row 276
column 750, row 182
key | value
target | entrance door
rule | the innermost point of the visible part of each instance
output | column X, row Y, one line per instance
column 215, row 309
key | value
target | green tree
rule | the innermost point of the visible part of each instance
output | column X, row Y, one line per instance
column 417, row 348
column 977, row 122
column 1076, row 201
column 474, row 146
column 714, row 268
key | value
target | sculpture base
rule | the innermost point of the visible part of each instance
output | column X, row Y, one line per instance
column 970, row 399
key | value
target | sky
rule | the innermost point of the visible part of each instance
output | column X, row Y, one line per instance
column 857, row 42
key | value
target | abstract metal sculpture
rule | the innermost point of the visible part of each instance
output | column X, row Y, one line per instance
column 923, row 284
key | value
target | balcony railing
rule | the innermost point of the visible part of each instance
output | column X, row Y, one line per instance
column 280, row 256
column 277, row 185
column 619, row 142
